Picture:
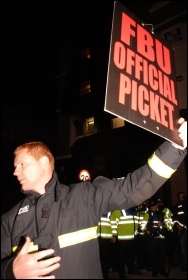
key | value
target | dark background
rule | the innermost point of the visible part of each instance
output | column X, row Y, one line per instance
column 32, row 34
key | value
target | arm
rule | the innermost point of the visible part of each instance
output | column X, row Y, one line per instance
column 144, row 182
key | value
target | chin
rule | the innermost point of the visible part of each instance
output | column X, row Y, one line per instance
column 24, row 188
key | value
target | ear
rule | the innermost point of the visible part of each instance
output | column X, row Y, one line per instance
column 44, row 161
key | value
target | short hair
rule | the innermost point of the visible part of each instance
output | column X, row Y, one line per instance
column 37, row 149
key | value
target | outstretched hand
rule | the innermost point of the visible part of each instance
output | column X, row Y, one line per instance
column 31, row 266
column 182, row 133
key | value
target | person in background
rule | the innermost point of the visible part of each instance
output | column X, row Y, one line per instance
column 127, row 224
column 156, row 241
column 170, row 235
column 105, row 237
column 141, row 238
column 114, row 244
column 52, row 232
column 180, row 223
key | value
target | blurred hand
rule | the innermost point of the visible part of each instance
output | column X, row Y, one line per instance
column 182, row 134
column 30, row 266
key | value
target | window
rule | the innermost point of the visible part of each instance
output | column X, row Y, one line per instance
column 90, row 125
column 117, row 122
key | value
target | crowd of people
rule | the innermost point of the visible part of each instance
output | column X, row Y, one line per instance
column 148, row 237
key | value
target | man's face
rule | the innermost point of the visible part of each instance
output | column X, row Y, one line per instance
column 28, row 170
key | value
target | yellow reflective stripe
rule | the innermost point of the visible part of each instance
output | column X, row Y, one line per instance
column 32, row 248
column 105, row 224
column 124, row 237
column 160, row 167
column 77, row 237
column 105, row 235
column 127, row 222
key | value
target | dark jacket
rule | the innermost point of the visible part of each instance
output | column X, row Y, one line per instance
column 180, row 213
column 66, row 217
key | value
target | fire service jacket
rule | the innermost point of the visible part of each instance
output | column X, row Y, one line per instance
column 66, row 217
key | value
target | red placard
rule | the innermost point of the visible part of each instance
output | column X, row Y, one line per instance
column 141, row 83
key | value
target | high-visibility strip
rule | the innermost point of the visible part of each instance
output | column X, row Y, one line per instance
column 104, row 224
column 32, row 248
column 160, row 167
column 180, row 213
column 106, row 235
column 126, row 237
column 121, row 222
column 77, row 237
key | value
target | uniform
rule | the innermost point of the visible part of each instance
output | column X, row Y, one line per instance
column 141, row 239
column 156, row 240
column 105, row 235
column 127, row 225
column 66, row 218
column 168, row 224
column 180, row 221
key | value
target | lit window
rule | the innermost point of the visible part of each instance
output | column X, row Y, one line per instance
column 85, row 88
column 117, row 122
column 90, row 125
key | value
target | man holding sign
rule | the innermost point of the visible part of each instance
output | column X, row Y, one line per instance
column 52, row 233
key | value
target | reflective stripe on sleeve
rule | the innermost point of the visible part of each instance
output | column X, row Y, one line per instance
column 32, row 248
column 160, row 167
column 77, row 237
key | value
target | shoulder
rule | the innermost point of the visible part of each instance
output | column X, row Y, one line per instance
column 10, row 214
column 104, row 182
column 81, row 187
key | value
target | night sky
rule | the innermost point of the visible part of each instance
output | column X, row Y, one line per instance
column 32, row 33
column 31, row 37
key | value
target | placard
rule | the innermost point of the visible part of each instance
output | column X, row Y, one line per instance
column 141, row 81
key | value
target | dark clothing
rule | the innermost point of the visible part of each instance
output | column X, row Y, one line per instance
column 157, row 254
column 180, row 213
column 156, row 242
column 106, row 255
column 126, row 257
column 143, row 259
column 180, row 220
column 66, row 218
column 141, row 239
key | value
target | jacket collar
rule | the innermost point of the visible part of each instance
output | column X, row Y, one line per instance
column 53, row 186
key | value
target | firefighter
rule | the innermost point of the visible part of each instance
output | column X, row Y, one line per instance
column 58, row 223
